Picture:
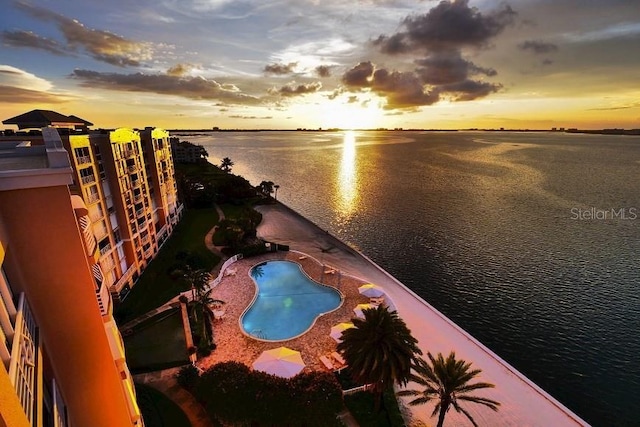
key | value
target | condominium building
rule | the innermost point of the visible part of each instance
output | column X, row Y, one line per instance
column 187, row 152
column 126, row 179
column 63, row 360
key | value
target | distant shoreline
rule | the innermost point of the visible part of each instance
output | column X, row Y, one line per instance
column 631, row 132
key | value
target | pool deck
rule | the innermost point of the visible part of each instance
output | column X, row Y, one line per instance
column 238, row 291
column 522, row 402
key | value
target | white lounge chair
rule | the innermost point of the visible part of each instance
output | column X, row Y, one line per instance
column 326, row 362
column 337, row 356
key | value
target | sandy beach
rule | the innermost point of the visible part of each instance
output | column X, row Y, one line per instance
column 522, row 402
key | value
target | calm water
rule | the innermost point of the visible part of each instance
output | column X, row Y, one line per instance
column 288, row 302
column 494, row 230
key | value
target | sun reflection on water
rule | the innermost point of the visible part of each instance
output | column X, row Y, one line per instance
column 347, row 179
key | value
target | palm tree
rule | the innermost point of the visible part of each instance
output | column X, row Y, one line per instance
column 447, row 381
column 226, row 164
column 202, row 305
column 198, row 279
column 379, row 350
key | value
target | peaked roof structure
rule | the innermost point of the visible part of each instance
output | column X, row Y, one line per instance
column 43, row 118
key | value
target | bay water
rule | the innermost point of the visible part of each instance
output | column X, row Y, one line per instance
column 530, row 241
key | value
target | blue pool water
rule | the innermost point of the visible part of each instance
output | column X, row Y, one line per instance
column 287, row 302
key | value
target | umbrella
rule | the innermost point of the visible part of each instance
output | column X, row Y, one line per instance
column 282, row 362
column 337, row 330
column 370, row 290
column 360, row 307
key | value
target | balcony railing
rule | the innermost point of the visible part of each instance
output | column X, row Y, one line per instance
column 92, row 198
column 132, row 168
column 128, row 153
column 140, row 212
column 138, row 197
column 104, row 299
column 23, row 368
column 88, row 179
column 105, row 250
column 83, row 159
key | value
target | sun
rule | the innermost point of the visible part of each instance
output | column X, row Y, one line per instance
column 353, row 115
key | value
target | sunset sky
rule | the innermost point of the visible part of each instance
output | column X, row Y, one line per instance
column 324, row 63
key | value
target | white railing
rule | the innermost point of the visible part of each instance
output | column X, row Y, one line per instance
column 87, row 233
column 88, row 179
column 92, row 198
column 23, row 369
column 213, row 283
column 59, row 412
column 125, row 277
column 105, row 250
column 104, row 299
column 357, row 389
column 83, row 159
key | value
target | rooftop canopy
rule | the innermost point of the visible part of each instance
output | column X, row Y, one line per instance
column 44, row 118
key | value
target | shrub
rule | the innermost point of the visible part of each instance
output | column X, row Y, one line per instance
column 188, row 377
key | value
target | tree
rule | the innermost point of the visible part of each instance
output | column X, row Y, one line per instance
column 226, row 164
column 379, row 350
column 266, row 188
column 447, row 381
column 198, row 279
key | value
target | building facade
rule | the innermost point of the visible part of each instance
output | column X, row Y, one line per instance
column 62, row 355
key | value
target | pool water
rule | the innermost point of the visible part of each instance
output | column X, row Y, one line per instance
column 287, row 302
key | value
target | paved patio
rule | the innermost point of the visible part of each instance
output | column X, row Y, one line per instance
column 238, row 291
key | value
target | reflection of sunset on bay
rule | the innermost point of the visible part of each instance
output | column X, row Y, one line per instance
column 347, row 198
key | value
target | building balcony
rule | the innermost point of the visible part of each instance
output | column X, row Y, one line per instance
column 105, row 250
column 132, row 168
column 136, row 183
column 138, row 197
column 83, row 160
column 140, row 212
column 88, row 179
column 92, row 198
column 25, row 360
column 128, row 153
column 104, row 299
column 124, row 279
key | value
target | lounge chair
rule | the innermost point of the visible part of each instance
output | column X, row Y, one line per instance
column 337, row 356
column 376, row 301
column 326, row 362
column 302, row 257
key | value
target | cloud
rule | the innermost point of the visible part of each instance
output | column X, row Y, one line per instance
column 100, row 45
column 538, row 47
column 179, row 70
column 449, row 25
column 198, row 88
column 448, row 67
column 34, row 41
column 293, row 89
column 17, row 95
column 250, row 117
column 323, row 70
column 12, row 76
column 280, row 69
column 401, row 89
column 469, row 90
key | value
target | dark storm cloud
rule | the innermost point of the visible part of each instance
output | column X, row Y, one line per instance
column 280, row 69
column 448, row 67
column 401, row 89
column 31, row 40
column 323, row 71
column 101, row 45
column 293, row 89
column 449, row 25
column 469, row 90
column 538, row 47
column 198, row 88
column 16, row 95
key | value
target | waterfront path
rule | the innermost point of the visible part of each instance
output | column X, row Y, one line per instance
column 522, row 402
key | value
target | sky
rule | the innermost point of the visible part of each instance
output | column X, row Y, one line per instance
column 287, row 64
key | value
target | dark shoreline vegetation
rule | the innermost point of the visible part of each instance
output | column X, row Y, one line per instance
column 315, row 397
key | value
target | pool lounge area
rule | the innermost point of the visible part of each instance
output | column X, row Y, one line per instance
column 239, row 291
column 287, row 301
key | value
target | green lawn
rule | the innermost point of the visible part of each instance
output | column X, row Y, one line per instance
column 157, row 343
column 155, row 287
column 158, row 410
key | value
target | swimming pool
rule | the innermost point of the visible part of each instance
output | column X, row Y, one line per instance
column 287, row 302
